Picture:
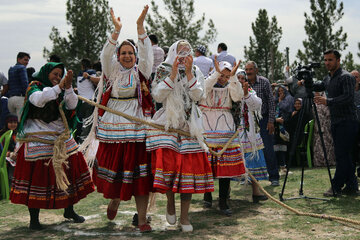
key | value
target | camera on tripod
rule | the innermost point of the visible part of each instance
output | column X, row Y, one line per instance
column 306, row 73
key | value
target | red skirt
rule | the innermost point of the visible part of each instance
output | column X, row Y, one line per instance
column 34, row 183
column 228, row 165
column 123, row 170
column 181, row 173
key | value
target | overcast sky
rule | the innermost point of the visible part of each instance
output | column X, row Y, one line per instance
column 25, row 25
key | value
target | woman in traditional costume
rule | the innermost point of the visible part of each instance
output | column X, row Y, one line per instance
column 249, row 135
column 122, row 168
column 50, row 173
column 179, row 162
column 222, row 89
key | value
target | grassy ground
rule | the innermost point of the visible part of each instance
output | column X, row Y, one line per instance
column 266, row 220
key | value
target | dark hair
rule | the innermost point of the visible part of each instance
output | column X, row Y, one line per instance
column 30, row 71
column 54, row 58
column 22, row 55
column 222, row 46
column 86, row 63
column 97, row 66
column 166, row 49
column 154, row 38
column 334, row 51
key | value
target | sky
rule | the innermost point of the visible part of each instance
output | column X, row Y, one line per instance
column 25, row 25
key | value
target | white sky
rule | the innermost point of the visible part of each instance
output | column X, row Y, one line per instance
column 25, row 25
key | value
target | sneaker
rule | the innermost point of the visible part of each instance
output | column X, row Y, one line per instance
column 275, row 183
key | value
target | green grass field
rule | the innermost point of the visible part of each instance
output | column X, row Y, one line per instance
column 266, row 220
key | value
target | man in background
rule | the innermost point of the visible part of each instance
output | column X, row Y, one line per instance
column 18, row 83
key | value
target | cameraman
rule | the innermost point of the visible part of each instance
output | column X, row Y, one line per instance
column 340, row 86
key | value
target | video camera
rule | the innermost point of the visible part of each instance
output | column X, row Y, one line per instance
column 306, row 73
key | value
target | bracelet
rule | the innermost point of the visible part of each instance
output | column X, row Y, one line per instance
column 117, row 32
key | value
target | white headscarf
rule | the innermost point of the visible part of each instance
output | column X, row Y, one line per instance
column 175, row 52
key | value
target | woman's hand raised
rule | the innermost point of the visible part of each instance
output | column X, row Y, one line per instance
column 116, row 21
column 141, row 19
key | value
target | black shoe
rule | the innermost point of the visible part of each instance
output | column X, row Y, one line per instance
column 275, row 183
column 224, row 208
column 75, row 217
column 207, row 200
column 350, row 192
column 257, row 198
column 36, row 226
column 135, row 220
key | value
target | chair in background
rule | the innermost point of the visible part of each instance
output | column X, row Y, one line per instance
column 304, row 149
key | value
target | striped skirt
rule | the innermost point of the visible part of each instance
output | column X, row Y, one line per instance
column 122, row 170
column 181, row 173
column 228, row 165
column 256, row 165
column 34, row 183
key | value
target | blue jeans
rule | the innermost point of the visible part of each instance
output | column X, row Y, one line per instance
column 270, row 158
column 344, row 134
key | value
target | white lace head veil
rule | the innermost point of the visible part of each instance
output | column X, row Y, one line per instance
column 180, row 48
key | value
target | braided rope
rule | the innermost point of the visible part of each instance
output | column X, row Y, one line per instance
column 157, row 126
column 59, row 158
column 300, row 213
column 161, row 127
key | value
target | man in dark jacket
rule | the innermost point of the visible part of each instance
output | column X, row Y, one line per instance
column 340, row 86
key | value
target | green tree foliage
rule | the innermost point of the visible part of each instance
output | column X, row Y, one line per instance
column 319, row 28
column 89, row 21
column 180, row 24
column 348, row 62
column 264, row 45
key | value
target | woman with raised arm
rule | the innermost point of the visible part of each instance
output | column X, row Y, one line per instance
column 222, row 90
column 248, row 115
column 122, row 167
column 179, row 162
column 50, row 172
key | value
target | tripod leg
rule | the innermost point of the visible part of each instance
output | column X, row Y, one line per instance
column 299, row 127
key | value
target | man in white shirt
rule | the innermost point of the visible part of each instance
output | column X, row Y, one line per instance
column 158, row 54
column 204, row 63
column 86, row 85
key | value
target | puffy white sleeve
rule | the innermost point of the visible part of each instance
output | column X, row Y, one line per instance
column 235, row 89
column 146, row 56
column 161, row 90
column 253, row 102
column 70, row 98
column 211, row 81
column 196, row 86
column 40, row 98
column 107, row 55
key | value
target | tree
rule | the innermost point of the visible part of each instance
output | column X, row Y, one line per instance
column 348, row 63
column 263, row 47
column 180, row 24
column 325, row 14
column 89, row 21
